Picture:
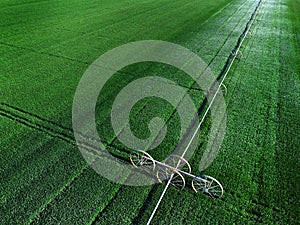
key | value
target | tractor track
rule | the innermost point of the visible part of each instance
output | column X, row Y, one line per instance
column 50, row 128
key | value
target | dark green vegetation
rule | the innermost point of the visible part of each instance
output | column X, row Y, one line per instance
column 46, row 46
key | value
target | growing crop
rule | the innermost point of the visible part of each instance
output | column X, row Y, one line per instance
column 46, row 46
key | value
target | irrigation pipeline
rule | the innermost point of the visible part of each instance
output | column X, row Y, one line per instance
column 233, row 55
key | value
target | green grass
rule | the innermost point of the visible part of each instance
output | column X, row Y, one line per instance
column 46, row 48
column 60, row 63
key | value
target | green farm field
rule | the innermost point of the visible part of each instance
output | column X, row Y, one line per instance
column 45, row 48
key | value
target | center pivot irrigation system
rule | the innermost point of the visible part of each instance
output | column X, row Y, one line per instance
column 173, row 169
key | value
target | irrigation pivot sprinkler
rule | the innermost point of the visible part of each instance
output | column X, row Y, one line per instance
column 174, row 170
column 175, row 175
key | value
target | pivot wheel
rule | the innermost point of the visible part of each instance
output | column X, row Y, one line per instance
column 208, row 185
column 225, row 89
column 141, row 159
column 165, row 174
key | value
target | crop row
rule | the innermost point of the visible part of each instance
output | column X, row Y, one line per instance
column 29, row 160
column 150, row 205
column 105, row 95
column 254, row 152
column 81, row 187
column 59, row 72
